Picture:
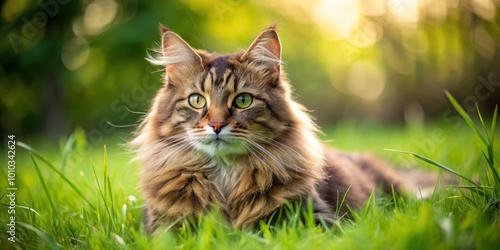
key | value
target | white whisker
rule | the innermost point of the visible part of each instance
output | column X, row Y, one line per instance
column 280, row 168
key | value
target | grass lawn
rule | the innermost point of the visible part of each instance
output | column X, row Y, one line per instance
column 82, row 195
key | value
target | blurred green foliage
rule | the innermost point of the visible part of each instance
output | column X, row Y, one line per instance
column 67, row 64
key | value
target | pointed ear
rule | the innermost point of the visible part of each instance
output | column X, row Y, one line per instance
column 176, row 55
column 265, row 52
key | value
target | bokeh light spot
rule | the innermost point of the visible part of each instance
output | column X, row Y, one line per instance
column 485, row 43
column 75, row 53
column 98, row 15
column 11, row 9
column 366, row 80
column 337, row 17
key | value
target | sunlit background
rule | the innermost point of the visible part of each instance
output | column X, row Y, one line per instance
column 80, row 64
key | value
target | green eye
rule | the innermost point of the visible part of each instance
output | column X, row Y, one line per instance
column 243, row 101
column 197, row 101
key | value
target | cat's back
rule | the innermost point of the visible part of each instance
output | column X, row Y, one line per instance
column 352, row 177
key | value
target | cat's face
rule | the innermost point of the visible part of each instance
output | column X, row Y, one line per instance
column 222, row 104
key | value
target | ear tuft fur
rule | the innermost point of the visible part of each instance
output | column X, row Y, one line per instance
column 175, row 54
column 163, row 29
column 265, row 51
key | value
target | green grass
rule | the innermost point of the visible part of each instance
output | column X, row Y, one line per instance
column 83, row 196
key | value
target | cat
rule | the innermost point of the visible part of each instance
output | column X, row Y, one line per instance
column 224, row 132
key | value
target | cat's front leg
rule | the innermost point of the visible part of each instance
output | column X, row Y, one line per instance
column 173, row 196
column 322, row 213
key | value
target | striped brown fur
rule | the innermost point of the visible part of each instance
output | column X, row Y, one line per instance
column 247, row 162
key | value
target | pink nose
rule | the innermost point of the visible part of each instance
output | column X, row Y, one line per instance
column 217, row 126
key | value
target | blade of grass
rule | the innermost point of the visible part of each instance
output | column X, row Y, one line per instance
column 108, row 190
column 43, row 235
column 23, row 207
column 124, row 218
column 466, row 117
column 67, row 150
column 39, row 156
column 486, row 157
column 478, row 190
column 108, row 182
column 29, row 209
column 473, row 187
column 486, row 139
column 432, row 162
column 482, row 123
column 103, row 197
column 32, row 216
column 492, row 140
column 493, row 126
column 494, row 175
column 105, row 163
column 44, row 186
column 4, row 193
column 491, row 156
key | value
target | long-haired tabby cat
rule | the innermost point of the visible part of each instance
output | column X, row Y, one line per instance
column 225, row 132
